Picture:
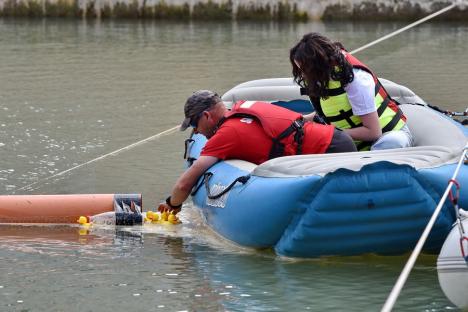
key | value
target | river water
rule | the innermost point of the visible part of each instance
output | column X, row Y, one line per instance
column 71, row 91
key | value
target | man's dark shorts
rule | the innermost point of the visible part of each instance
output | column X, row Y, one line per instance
column 341, row 143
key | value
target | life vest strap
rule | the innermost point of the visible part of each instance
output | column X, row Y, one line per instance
column 342, row 115
column 378, row 85
column 393, row 122
column 330, row 92
column 336, row 91
column 318, row 109
column 349, row 113
column 348, row 119
column 361, row 145
column 297, row 127
column 383, row 106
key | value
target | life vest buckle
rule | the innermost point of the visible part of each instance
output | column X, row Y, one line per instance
column 298, row 124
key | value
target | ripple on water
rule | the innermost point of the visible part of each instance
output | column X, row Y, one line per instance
column 67, row 271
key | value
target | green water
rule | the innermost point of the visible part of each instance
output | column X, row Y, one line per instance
column 71, row 91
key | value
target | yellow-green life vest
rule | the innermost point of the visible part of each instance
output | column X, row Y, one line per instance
column 336, row 109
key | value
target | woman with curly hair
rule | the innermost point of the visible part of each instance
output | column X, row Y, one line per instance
column 347, row 94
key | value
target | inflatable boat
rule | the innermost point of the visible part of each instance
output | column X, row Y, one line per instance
column 335, row 204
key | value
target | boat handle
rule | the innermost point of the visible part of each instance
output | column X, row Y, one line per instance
column 206, row 179
column 187, row 144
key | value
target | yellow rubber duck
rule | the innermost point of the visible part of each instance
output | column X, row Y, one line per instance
column 164, row 216
column 83, row 220
column 155, row 218
column 149, row 216
column 173, row 219
column 84, row 225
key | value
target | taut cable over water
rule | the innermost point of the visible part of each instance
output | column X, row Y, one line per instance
column 169, row 131
column 125, row 148
column 420, row 21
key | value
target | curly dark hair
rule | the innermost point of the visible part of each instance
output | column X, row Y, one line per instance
column 320, row 61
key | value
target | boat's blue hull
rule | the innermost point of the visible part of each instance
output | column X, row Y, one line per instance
column 382, row 208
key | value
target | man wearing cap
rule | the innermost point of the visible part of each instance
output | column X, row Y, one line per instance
column 253, row 131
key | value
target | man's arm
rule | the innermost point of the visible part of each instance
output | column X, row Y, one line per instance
column 186, row 182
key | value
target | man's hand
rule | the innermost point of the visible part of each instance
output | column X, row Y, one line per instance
column 163, row 207
column 168, row 207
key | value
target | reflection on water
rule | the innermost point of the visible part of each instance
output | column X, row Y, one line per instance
column 71, row 91
column 142, row 269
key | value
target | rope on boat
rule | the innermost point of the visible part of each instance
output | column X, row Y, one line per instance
column 450, row 113
column 414, row 255
column 125, row 148
column 168, row 131
column 458, row 213
column 206, row 180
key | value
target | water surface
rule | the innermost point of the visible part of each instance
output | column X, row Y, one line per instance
column 71, row 91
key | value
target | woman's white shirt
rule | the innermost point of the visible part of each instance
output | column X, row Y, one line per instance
column 361, row 93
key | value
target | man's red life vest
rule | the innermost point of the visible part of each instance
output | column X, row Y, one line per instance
column 287, row 129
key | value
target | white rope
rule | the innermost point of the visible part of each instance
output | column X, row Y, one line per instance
column 126, row 148
column 388, row 306
column 404, row 28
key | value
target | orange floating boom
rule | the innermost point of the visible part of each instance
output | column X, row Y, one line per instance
column 61, row 208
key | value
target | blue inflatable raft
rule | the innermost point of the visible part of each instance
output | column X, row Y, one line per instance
column 336, row 204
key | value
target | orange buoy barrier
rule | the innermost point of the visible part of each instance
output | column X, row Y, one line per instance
column 63, row 208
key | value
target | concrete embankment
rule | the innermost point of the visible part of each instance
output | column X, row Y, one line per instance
column 235, row 9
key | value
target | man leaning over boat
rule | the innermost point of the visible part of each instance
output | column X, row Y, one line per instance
column 253, row 131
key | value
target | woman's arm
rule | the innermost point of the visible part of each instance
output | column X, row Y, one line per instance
column 370, row 129
column 361, row 96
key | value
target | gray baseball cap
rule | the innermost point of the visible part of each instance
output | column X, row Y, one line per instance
column 196, row 104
